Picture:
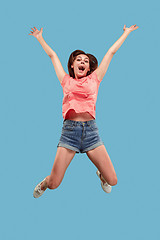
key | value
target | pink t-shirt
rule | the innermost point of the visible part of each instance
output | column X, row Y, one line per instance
column 80, row 94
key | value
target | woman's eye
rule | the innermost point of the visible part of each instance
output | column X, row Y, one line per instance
column 79, row 60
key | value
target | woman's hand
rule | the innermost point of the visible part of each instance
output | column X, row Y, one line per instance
column 36, row 33
column 130, row 29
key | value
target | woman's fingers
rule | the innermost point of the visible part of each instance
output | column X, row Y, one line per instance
column 31, row 33
column 33, row 30
column 131, row 28
column 135, row 27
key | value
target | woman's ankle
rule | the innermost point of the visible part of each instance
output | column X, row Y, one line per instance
column 44, row 185
column 102, row 178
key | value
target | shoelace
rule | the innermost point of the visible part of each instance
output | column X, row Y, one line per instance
column 105, row 184
column 39, row 189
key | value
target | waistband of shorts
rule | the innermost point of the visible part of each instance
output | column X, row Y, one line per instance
column 75, row 123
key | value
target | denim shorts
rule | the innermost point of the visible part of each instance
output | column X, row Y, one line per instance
column 80, row 136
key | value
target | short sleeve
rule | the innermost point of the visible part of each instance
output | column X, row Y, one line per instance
column 96, row 77
column 64, row 80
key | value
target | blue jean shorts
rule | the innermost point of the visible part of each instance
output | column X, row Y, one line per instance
column 80, row 136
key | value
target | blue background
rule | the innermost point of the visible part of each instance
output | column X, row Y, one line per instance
column 127, row 114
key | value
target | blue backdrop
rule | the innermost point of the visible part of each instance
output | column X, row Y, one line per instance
column 127, row 114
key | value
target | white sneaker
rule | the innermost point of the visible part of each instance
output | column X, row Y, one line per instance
column 106, row 187
column 38, row 191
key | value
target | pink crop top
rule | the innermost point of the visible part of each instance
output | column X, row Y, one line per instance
column 80, row 94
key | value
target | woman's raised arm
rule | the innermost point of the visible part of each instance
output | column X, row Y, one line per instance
column 101, row 70
column 55, row 60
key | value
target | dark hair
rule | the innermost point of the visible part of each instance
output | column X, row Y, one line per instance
column 92, row 62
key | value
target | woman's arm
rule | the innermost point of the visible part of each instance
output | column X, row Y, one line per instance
column 119, row 42
column 54, row 58
column 102, row 69
column 45, row 46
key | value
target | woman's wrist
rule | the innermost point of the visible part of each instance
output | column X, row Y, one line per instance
column 39, row 38
column 127, row 31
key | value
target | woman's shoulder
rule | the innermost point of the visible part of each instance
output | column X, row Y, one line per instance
column 94, row 75
column 65, row 77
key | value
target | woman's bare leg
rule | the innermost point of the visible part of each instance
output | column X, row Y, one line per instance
column 62, row 160
column 102, row 161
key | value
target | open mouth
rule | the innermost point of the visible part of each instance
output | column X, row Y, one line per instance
column 81, row 68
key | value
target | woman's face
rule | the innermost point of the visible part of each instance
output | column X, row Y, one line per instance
column 81, row 66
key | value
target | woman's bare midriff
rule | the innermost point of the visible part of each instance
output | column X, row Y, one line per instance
column 85, row 116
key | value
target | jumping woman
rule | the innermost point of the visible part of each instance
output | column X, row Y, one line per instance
column 80, row 133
